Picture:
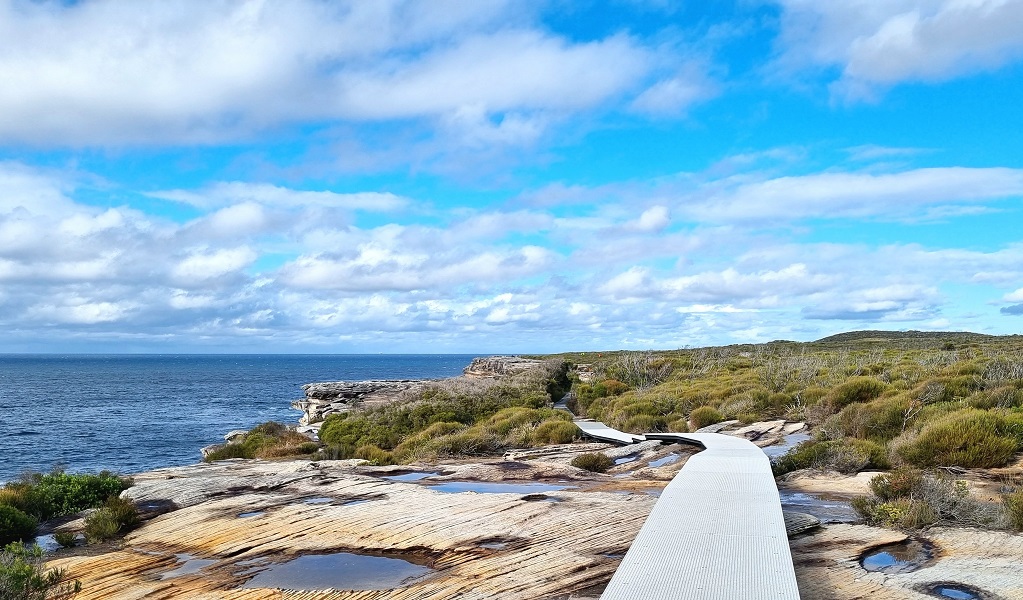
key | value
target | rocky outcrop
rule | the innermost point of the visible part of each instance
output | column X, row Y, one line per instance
column 498, row 366
column 324, row 398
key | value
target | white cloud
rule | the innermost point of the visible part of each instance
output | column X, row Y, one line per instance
column 856, row 195
column 236, row 192
column 205, row 265
column 879, row 44
column 1016, row 296
column 107, row 72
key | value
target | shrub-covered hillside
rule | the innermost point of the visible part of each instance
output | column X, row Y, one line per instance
column 872, row 400
column 457, row 417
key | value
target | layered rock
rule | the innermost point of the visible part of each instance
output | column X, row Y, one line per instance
column 499, row 366
column 328, row 397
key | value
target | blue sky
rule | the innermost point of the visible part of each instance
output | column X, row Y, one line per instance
column 456, row 176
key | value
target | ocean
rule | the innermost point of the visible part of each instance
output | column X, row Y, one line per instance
column 132, row 413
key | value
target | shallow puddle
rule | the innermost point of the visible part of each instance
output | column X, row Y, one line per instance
column 827, row 508
column 959, row 592
column 788, row 442
column 255, row 513
column 413, row 476
column 322, row 500
column 343, row 571
column 47, row 542
column 190, row 566
column 625, row 459
column 903, row 557
column 486, row 487
column 667, row 460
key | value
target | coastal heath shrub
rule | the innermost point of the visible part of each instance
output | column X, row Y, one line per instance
column 117, row 515
column 703, row 416
column 594, row 462
column 855, row 389
column 15, row 526
column 968, row 438
column 57, row 493
column 1014, row 509
column 554, row 432
column 23, row 576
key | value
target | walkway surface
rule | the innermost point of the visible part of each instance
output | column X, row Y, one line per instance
column 603, row 433
column 716, row 533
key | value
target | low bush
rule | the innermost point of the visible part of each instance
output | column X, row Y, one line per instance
column 911, row 499
column 554, row 432
column 57, row 493
column 15, row 525
column 66, row 539
column 845, row 456
column 703, row 416
column 1014, row 509
column 855, row 389
column 968, row 438
column 593, row 461
column 117, row 515
column 23, row 576
column 375, row 455
column 267, row 440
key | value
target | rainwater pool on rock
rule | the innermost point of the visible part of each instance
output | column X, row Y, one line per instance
column 901, row 557
column 343, row 571
column 485, row 487
column 667, row 460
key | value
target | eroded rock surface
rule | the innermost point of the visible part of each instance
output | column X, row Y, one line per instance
column 324, row 398
column 499, row 366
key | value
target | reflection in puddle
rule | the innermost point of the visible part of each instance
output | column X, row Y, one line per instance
column 413, row 476
column 829, row 509
column 959, row 592
column 321, row 500
column 255, row 513
column 667, row 460
column 47, row 542
column 788, row 442
column 494, row 545
column 484, row 487
column 539, row 498
column 343, row 571
column 903, row 557
column 190, row 566
column 625, row 459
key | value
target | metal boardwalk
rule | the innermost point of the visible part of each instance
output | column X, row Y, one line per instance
column 603, row 433
column 716, row 533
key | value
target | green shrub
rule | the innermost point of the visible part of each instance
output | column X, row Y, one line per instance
column 554, row 432
column 117, row 515
column 15, row 526
column 1014, row 509
column 703, row 416
column 57, row 494
column 644, row 424
column 845, row 456
column 227, row 451
column 66, row 539
column 593, row 461
column 900, row 483
column 374, row 455
column 968, row 438
column 23, row 576
column 855, row 389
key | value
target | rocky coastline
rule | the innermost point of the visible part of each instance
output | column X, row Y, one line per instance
column 524, row 525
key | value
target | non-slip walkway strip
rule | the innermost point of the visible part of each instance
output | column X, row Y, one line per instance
column 603, row 433
column 716, row 533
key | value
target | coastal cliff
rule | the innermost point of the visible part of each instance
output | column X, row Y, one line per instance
column 325, row 398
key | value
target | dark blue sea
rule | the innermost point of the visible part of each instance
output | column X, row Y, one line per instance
column 131, row 413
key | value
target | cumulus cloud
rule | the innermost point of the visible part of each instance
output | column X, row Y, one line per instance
column 106, row 72
column 879, row 44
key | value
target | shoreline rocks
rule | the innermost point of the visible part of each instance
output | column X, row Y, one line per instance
column 328, row 397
